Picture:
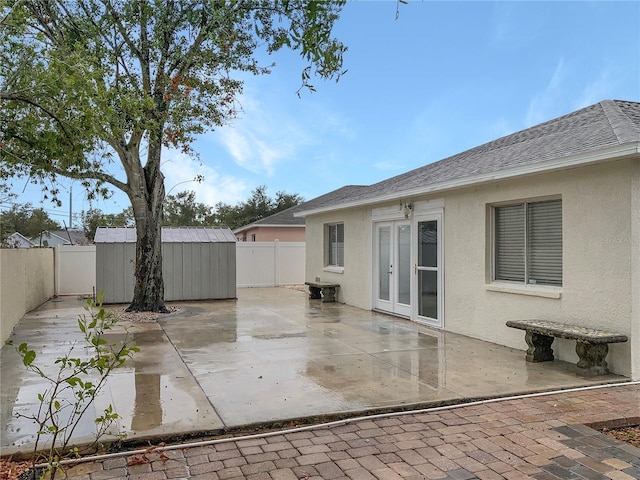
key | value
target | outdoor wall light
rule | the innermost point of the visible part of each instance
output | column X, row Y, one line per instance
column 407, row 209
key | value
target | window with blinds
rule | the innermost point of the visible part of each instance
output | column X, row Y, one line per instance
column 335, row 256
column 528, row 243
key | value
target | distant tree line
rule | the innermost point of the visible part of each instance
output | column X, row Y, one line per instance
column 27, row 220
column 180, row 210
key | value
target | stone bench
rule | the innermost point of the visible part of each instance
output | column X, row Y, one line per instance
column 324, row 290
column 592, row 345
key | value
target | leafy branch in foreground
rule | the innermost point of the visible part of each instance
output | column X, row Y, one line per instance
column 74, row 386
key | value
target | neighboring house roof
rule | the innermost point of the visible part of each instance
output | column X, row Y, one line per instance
column 44, row 237
column 607, row 130
column 288, row 217
column 169, row 235
column 17, row 240
column 77, row 236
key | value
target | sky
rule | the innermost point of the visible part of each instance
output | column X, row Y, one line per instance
column 442, row 77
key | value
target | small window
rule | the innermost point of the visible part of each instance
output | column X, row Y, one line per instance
column 335, row 245
column 528, row 243
column 253, row 237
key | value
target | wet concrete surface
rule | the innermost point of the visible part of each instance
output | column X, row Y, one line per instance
column 271, row 355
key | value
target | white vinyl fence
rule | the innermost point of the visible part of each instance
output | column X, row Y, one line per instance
column 75, row 269
column 269, row 264
column 258, row 264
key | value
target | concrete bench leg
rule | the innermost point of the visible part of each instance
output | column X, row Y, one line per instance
column 314, row 293
column 592, row 359
column 329, row 294
column 539, row 347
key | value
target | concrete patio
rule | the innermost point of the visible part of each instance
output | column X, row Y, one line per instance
column 271, row 356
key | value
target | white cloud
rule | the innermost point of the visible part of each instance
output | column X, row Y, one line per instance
column 543, row 105
column 595, row 91
column 180, row 170
column 390, row 165
column 264, row 137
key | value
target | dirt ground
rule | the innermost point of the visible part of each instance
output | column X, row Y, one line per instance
column 626, row 434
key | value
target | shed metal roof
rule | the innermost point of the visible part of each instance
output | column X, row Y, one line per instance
column 169, row 235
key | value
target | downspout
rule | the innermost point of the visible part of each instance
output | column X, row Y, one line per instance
column 634, row 247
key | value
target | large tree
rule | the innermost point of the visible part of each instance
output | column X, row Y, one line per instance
column 94, row 89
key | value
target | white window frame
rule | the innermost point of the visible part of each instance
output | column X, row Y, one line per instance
column 333, row 230
column 527, row 281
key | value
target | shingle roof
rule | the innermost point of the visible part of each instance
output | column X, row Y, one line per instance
column 169, row 235
column 77, row 236
column 610, row 123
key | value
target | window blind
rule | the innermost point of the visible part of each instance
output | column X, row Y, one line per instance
column 544, row 242
column 336, row 244
column 528, row 243
column 510, row 243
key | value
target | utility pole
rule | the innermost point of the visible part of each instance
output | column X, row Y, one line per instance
column 70, row 206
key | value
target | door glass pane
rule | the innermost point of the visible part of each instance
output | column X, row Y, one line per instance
column 404, row 264
column 428, row 244
column 428, row 293
column 384, row 264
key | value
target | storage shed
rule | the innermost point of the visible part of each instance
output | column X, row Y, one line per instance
column 198, row 263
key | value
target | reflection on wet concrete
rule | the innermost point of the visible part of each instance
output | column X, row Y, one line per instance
column 272, row 354
column 147, row 412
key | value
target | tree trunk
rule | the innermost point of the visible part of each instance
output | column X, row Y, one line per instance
column 147, row 202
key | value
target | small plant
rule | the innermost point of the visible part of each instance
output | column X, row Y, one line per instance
column 74, row 386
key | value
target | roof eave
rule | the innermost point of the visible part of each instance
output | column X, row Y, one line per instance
column 608, row 154
column 270, row 225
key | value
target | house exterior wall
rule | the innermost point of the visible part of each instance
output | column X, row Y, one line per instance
column 271, row 234
column 355, row 279
column 598, row 251
column 26, row 281
column 596, row 260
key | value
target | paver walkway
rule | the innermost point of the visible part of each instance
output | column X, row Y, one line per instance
column 544, row 437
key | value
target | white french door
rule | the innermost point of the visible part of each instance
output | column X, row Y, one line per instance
column 392, row 275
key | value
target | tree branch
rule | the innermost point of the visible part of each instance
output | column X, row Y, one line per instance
column 28, row 101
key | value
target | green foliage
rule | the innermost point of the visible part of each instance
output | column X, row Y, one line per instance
column 85, row 84
column 258, row 206
column 182, row 210
column 75, row 384
column 26, row 220
column 94, row 218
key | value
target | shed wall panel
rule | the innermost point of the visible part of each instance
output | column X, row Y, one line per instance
column 191, row 270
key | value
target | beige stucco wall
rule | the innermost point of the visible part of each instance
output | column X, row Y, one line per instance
column 596, row 289
column 597, row 256
column 271, row 234
column 26, row 281
column 355, row 280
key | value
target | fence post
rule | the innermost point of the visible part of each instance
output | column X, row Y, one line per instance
column 276, row 261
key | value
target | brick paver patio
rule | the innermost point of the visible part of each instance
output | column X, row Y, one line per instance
column 545, row 437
